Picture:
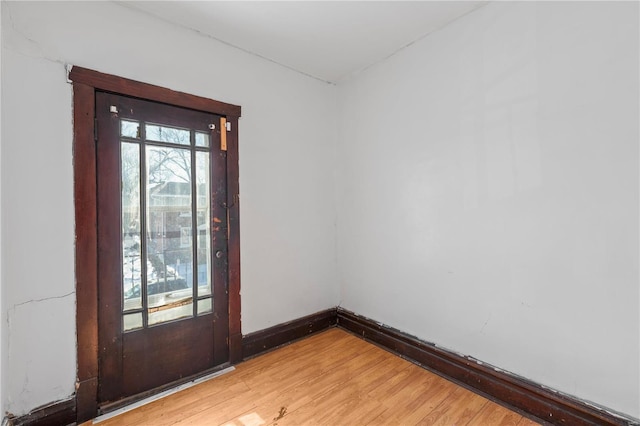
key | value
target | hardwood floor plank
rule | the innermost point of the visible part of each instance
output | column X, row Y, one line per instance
column 495, row 414
column 331, row 378
column 336, row 388
column 527, row 422
column 458, row 408
column 413, row 408
column 183, row 404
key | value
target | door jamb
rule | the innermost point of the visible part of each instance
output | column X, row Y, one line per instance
column 85, row 84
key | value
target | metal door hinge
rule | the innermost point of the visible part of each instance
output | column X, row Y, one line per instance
column 228, row 126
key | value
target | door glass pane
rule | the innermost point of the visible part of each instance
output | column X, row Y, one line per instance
column 204, row 306
column 169, row 236
column 202, row 139
column 129, row 129
column 132, row 321
column 131, row 248
column 204, row 227
column 174, row 305
column 168, row 134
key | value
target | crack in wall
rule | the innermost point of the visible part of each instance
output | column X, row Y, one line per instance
column 16, row 305
column 10, row 312
column 42, row 300
column 33, row 43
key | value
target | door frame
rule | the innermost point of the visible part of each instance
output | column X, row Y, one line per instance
column 85, row 84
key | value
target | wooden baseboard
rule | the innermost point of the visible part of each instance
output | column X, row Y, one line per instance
column 261, row 341
column 512, row 391
column 55, row 414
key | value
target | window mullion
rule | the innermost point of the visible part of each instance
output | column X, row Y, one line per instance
column 143, row 226
column 194, row 226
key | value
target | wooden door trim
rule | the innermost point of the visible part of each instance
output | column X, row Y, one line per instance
column 150, row 92
column 86, row 250
column 85, row 84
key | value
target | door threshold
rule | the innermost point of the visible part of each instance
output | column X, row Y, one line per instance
column 160, row 395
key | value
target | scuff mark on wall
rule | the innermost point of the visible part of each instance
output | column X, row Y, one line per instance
column 485, row 323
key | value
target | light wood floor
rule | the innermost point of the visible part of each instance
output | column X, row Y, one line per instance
column 332, row 378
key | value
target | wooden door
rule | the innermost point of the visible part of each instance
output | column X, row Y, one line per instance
column 162, row 245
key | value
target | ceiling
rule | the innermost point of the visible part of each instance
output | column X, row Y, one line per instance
column 327, row 40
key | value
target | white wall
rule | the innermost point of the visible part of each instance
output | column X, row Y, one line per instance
column 287, row 211
column 488, row 196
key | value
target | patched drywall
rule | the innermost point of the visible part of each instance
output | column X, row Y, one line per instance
column 287, row 194
column 488, row 196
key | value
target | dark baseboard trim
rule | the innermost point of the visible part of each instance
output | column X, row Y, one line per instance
column 261, row 341
column 512, row 391
column 55, row 414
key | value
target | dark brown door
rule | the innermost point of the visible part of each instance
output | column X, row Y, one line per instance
column 162, row 245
